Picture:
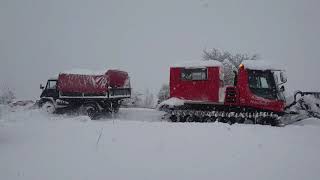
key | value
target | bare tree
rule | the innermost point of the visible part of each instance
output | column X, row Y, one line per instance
column 164, row 93
column 230, row 61
column 219, row 55
column 148, row 99
column 136, row 100
column 6, row 96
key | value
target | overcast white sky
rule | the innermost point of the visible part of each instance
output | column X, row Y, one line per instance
column 39, row 38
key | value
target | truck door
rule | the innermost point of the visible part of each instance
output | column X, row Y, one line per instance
column 51, row 90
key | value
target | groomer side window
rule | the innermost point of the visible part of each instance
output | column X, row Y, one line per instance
column 194, row 74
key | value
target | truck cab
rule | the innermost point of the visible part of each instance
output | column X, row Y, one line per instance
column 50, row 90
column 258, row 87
column 265, row 84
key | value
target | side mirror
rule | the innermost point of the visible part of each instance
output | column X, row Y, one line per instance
column 282, row 89
column 41, row 87
column 283, row 77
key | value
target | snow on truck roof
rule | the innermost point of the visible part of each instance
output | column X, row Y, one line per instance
column 90, row 72
column 78, row 72
column 198, row 64
column 260, row 65
column 248, row 64
column 84, row 72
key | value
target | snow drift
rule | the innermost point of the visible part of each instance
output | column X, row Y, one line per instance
column 38, row 146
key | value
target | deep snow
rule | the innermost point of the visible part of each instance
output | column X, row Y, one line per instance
column 138, row 145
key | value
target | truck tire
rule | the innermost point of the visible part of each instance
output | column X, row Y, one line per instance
column 173, row 118
column 116, row 109
column 91, row 110
column 115, row 106
column 48, row 107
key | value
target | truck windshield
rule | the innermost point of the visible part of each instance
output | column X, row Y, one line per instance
column 51, row 85
column 262, row 84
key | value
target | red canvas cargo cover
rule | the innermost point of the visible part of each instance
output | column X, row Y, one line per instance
column 77, row 83
column 118, row 79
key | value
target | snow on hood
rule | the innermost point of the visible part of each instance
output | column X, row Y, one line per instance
column 198, row 64
column 260, row 65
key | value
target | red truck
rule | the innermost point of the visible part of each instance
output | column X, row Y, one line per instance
column 90, row 93
column 198, row 93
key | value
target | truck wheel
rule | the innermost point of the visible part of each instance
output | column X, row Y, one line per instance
column 183, row 118
column 208, row 119
column 190, row 118
column 91, row 111
column 173, row 118
column 232, row 120
column 240, row 120
column 116, row 109
column 48, row 107
column 275, row 122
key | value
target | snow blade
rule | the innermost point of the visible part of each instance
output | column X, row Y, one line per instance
column 305, row 105
column 292, row 118
column 314, row 94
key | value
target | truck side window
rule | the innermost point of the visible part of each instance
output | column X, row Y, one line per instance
column 186, row 75
column 52, row 85
column 194, row 74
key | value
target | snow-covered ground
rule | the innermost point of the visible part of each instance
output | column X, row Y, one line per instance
column 138, row 145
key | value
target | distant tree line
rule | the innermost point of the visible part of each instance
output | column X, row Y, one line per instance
column 6, row 96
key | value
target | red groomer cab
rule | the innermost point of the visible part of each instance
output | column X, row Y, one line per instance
column 198, row 92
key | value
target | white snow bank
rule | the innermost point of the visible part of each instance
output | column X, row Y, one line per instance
column 309, row 122
column 35, row 146
column 172, row 102
column 260, row 65
column 198, row 64
column 140, row 114
column 3, row 110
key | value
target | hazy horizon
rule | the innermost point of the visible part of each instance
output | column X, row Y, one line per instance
column 40, row 38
